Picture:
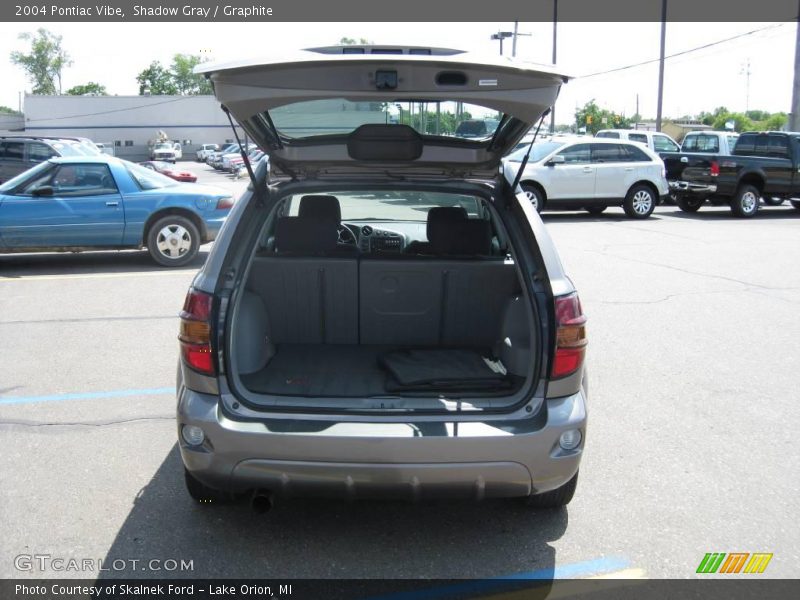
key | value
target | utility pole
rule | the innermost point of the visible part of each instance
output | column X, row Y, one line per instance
column 745, row 70
column 555, row 38
column 638, row 116
column 661, row 63
column 794, row 118
column 514, row 39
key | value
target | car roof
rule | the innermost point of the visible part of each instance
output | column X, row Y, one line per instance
column 94, row 158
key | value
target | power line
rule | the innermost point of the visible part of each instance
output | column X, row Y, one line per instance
column 681, row 53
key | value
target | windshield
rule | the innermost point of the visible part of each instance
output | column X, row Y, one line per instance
column 393, row 205
column 31, row 173
column 341, row 116
column 147, row 178
column 163, row 146
column 538, row 152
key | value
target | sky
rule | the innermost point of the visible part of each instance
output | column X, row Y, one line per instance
column 114, row 53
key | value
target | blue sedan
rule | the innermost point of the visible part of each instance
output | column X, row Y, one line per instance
column 102, row 202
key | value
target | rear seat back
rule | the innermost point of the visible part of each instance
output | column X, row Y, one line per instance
column 434, row 302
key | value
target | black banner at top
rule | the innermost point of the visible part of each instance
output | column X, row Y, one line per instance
column 405, row 10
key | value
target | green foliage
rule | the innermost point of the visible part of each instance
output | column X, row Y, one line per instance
column 156, row 80
column 740, row 120
column 43, row 62
column 5, row 110
column 757, row 115
column 179, row 79
column 187, row 82
column 775, row 122
column 88, row 89
column 594, row 118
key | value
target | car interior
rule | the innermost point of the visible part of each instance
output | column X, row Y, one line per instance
column 422, row 300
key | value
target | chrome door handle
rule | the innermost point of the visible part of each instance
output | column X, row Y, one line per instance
column 112, row 203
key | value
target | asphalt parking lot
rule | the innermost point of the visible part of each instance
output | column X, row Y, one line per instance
column 694, row 328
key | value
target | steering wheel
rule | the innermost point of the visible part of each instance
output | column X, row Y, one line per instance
column 345, row 236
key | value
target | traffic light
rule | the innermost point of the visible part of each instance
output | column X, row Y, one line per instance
column 616, row 119
column 588, row 119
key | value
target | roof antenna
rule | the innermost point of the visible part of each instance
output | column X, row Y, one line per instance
column 528, row 153
column 245, row 158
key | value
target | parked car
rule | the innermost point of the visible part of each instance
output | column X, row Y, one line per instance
column 709, row 142
column 221, row 160
column 165, row 151
column 101, row 202
column 170, row 170
column 763, row 163
column 476, row 128
column 204, row 150
column 657, row 142
column 20, row 153
column 232, row 162
column 212, row 157
column 313, row 361
column 592, row 174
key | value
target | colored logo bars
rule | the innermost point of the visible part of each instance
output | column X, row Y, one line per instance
column 736, row 562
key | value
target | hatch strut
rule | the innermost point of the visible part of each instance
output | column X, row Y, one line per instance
column 245, row 158
column 528, row 153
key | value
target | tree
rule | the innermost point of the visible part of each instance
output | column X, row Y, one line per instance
column 775, row 122
column 44, row 61
column 740, row 121
column 156, row 80
column 185, row 80
column 594, row 118
column 88, row 89
column 5, row 110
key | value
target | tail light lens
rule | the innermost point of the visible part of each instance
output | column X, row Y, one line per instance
column 571, row 337
column 225, row 203
column 714, row 168
column 195, row 332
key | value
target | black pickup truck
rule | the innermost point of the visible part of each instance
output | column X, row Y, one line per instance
column 763, row 164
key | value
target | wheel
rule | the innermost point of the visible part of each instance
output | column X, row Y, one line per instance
column 173, row 241
column 640, row 202
column 554, row 498
column 672, row 198
column 535, row 195
column 773, row 201
column 745, row 203
column 595, row 211
column 795, row 203
column 690, row 205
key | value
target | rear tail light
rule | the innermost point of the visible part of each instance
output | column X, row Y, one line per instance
column 570, row 336
column 714, row 168
column 225, row 203
column 195, row 332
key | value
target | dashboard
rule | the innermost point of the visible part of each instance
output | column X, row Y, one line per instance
column 383, row 237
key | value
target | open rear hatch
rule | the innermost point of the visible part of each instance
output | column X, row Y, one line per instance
column 323, row 114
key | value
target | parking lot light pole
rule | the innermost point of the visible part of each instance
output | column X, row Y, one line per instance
column 661, row 63
column 501, row 35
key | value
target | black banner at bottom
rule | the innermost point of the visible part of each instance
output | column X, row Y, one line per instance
column 399, row 589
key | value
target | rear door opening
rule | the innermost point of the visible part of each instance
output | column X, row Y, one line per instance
column 383, row 299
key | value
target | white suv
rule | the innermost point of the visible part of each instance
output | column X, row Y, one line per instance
column 592, row 174
column 657, row 142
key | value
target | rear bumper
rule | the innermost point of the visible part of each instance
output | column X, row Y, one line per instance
column 689, row 188
column 477, row 459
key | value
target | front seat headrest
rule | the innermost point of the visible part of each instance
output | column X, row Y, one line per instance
column 320, row 207
column 440, row 216
column 294, row 235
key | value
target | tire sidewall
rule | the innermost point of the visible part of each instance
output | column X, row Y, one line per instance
column 690, row 205
column 160, row 224
column 533, row 189
column 628, row 205
column 737, row 205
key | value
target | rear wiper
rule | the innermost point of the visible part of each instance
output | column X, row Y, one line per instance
column 524, row 160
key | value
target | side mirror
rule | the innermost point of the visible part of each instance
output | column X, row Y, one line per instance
column 43, row 190
column 558, row 159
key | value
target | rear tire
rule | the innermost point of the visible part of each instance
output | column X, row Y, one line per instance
column 690, row 205
column 745, row 203
column 596, row 211
column 640, row 202
column 535, row 195
column 773, row 201
column 795, row 203
column 173, row 241
column 554, row 498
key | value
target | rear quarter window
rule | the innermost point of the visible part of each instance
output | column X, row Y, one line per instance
column 636, row 154
column 745, row 145
column 637, row 137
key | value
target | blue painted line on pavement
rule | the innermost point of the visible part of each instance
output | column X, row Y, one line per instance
column 568, row 571
column 86, row 396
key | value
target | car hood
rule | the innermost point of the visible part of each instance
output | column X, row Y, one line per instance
column 288, row 107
